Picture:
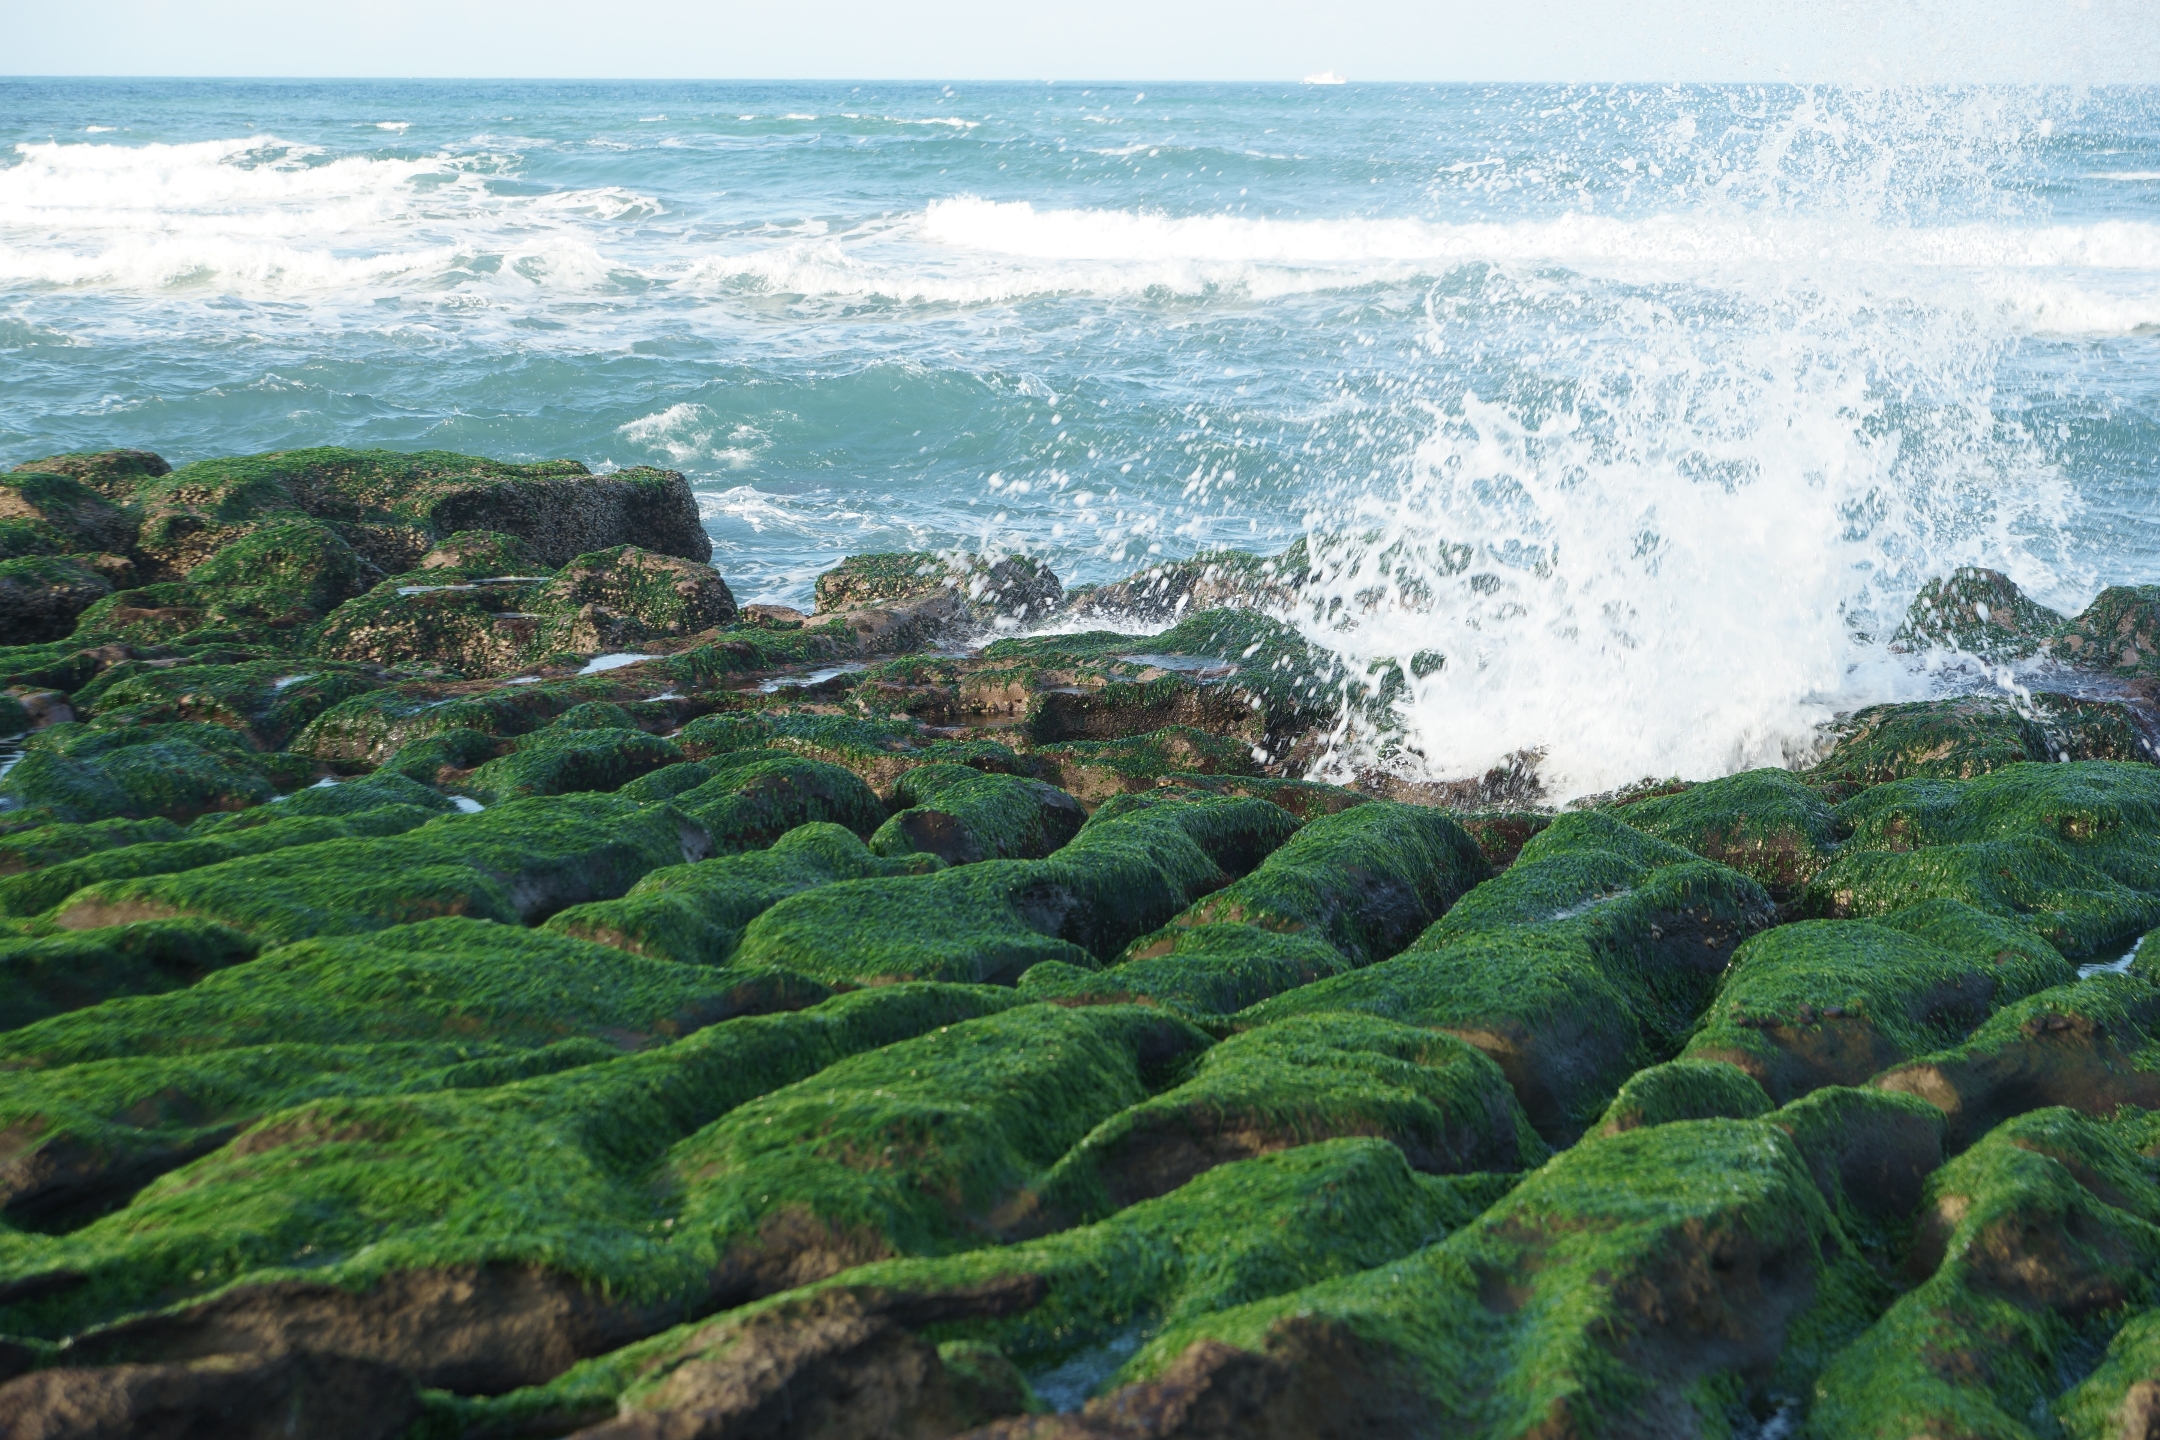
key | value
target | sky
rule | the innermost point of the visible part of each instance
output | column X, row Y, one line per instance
column 1864, row 41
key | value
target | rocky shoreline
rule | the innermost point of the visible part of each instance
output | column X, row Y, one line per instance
column 463, row 975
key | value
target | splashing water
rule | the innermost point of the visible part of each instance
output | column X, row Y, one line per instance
column 1625, row 420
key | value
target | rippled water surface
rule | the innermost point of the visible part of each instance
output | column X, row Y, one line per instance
column 1646, row 407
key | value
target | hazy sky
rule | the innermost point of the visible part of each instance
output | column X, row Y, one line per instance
column 1851, row 40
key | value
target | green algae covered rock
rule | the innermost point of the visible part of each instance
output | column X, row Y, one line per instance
column 2069, row 847
column 475, row 628
column 1557, row 1311
column 1588, row 959
column 80, row 518
column 1136, row 863
column 1970, row 735
column 34, row 849
column 1765, row 823
column 962, row 815
column 557, row 761
column 374, row 728
column 1241, row 1232
column 41, row 890
column 73, row 773
column 112, row 473
column 1296, row 1082
column 932, row 1145
column 479, row 1239
column 1684, row 1090
column 1015, row 586
column 1368, row 880
column 49, row 975
column 1095, row 770
column 2028, row 1241
column 1835, row 1002
column 483, row 554
column 2088, row 1045
column 518, row 863
column 749, row 799
column 2119, row 631
column 696, row 913
column 1349, row 888
column 269, row 701
column 615, row 596
column 395, row 505
column 42, row 595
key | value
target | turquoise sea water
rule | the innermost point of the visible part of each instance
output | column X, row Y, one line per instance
column 1648, row 407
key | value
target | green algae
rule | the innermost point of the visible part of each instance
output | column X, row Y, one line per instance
column 560, row 760
column 551, row 1171
column 1299, row 1081
column 1551, row 1310
column 2032, row 1241
column 695, row 914
column 1137, row 862
column 1824, row 1002
column 52, row 844
column 517, row 863
column 750, row 799
column 1764, row 823
column 1098, row 769
column 932, row 1145
column 1241, row 1232
column 1586, row 960
column 42, row 890
column 1684, row 1090
column 269, row 701
column 962, row 815
column 1980, row 612
column 50, row 975
column 74, row 774
column 1368, row 880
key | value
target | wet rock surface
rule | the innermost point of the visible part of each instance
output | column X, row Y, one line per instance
column 463, row 975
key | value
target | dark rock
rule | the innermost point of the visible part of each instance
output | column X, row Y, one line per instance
column 41, row 595
column 112, row 473
column 842, row 1363
column 323, row 1397
column 1979, row 612
column 84, row 519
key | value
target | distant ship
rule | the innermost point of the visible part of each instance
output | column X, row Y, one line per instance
column 1325, row 77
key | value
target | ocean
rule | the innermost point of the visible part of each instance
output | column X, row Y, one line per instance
column 1646, row 408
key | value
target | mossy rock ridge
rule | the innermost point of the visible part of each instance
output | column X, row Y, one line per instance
column 695, row 914
column 1302, row 1080
column 1137, row 862
column 962, row 815
column 1241, row 1232
column 1588, row 959
column 517, row 863
column 930, row 1146
column 2073, row 849
column 478, row 1239
column 2030, row 1244
column 1825, row 1002
column 1351, row 887
column 1557, row 1311
column 2087, row 1046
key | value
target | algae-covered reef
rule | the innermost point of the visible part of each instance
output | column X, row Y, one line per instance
column 462, row 976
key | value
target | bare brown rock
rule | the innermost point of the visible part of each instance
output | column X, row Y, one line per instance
column 837, row 1365
column 321, row 1397
column 472, row 1329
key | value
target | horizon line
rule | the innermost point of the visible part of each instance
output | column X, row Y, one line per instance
column 1121, row 82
